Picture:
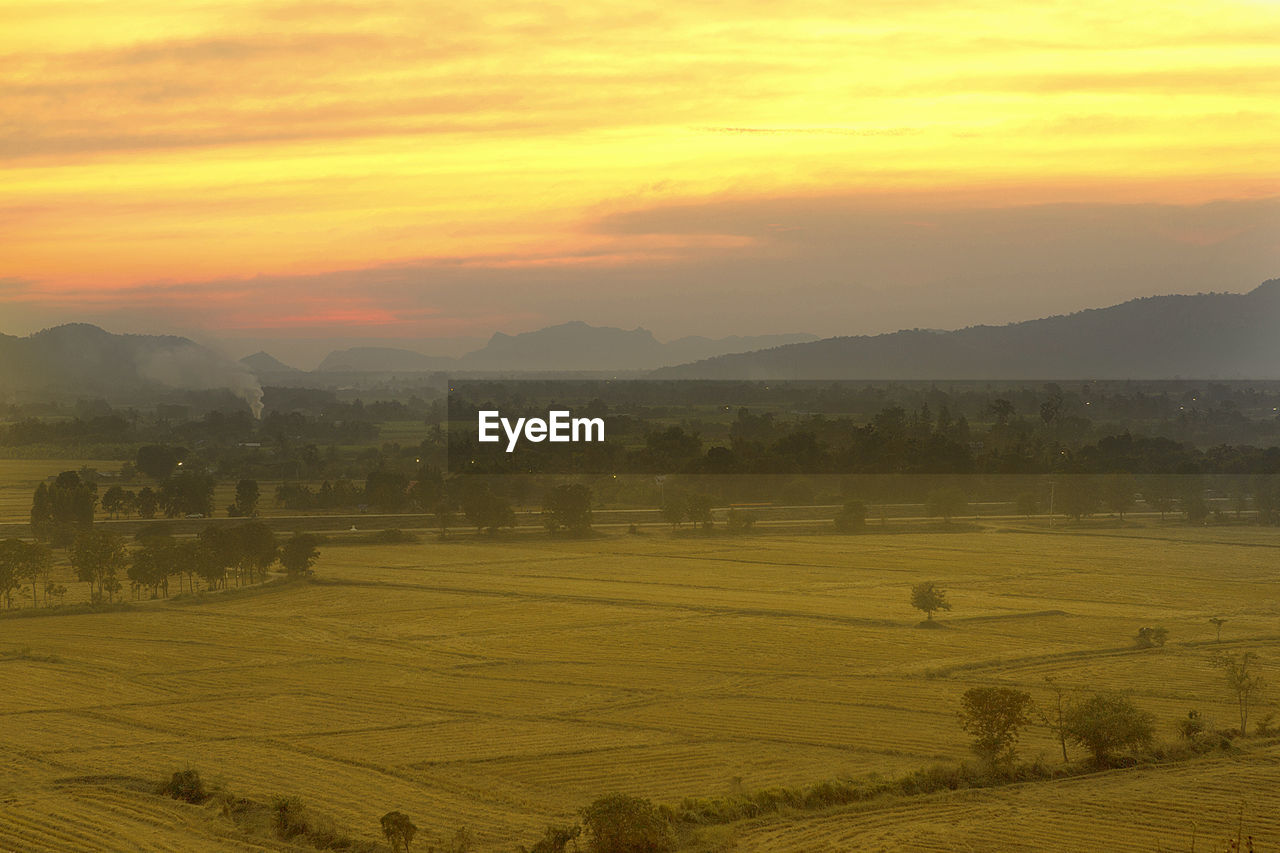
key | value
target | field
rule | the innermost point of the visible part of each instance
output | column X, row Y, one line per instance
column 502, row 686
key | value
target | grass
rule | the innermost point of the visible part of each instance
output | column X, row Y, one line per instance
column 502, row 685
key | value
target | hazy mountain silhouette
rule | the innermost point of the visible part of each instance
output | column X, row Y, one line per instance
column 573, row 346
column 578, row 346
column 382, row 360
column 1214, row 335
column 264, row 363
column 80, row 359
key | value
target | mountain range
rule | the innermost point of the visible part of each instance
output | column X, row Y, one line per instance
column 573, row 346
column 78, row 359
column 1203, row 336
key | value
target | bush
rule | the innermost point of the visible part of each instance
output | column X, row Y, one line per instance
column 622, row 824
column 1191, row 725
column 187, row 786
column 555, row 840
column 393, row 536
column 1152, row 637
column 1108, row 723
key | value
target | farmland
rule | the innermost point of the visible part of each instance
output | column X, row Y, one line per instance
column 502, row 685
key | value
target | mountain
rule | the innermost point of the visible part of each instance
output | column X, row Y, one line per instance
column 78, row 359
column 1208, row 335
column 382, row 360
column 568, row 347
column 263, row 363
column 695, row 347
column 577, row 346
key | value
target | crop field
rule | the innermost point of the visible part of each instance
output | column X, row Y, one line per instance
column 503, row 685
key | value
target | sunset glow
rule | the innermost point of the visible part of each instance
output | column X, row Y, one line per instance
column 179, row 158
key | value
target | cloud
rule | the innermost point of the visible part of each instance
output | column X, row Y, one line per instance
column 834, row 265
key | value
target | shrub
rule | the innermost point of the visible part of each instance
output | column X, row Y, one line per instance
column 1107, row 723
column 1190, row 726
column 187, row 786
column 1152, row 637
column 555, row 840
column 623, row 824
column 393, row 536
column 290, row 818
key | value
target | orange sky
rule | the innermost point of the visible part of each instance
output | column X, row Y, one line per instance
column 168, row 161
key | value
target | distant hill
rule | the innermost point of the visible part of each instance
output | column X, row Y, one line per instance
column 1213, row 335
column 264, row 363
column 381, row 360
column 578, row 346
column 78, row 359
column 574, row 346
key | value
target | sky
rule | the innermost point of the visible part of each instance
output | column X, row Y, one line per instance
column 410, row 171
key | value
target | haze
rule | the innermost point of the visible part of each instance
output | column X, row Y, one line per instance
column 394, row 170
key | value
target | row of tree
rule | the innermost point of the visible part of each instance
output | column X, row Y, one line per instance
column 219, row 556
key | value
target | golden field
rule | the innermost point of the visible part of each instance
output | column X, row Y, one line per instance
column 503, row 685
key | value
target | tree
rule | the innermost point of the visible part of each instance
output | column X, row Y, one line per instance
column 428, row 488
column 697, row 508
column 299, row 554
column 1243, row 679
column 1107, row 723
column 623, row 824
column 927, row 596
column 1193, row 503
column 946, row 503
column 152, row 564
column 852, row 517
column 61, row 510
column 34, row 568
column 445, row 515
column 256, row 549
column 1119, row 493
column 158, row 461
column 246, row 505
column 1001, row 411
column 21, row 562
column 388, row 491
column 219, row 551
column 99, row 558
column 568, row 507
column 42, row 526
column 556, row 839
column 674, row 509
column 1159, row 494
column 1057, row 723
column 148, row 502
column 188, row 492
column 13, row 554
column 113, row 501
column 488, row 511
column 994, row 716
column 1217, row 622
column 399, row 831
column 1078, row 496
